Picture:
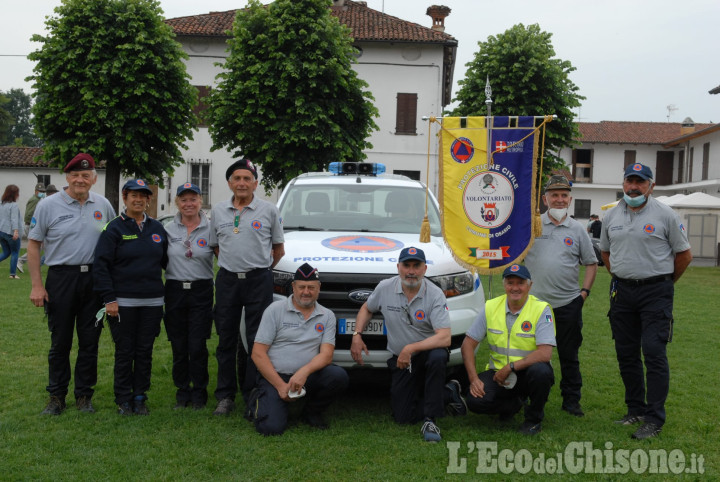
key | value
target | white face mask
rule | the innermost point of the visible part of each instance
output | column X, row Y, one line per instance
column 558, row 214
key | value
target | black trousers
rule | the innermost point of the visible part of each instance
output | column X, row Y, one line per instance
column 73, row 305
column 134, row 336
column 233, row 295
column 419, row 394
column 568, row 328
column 533, row 383
column 641, row 321
column 271, row 412
column 188, row 323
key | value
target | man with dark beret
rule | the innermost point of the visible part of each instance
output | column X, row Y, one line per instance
column 69, row 224
column 293, row 352
column 247, row 235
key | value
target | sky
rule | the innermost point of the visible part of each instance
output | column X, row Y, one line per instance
column 636, row 60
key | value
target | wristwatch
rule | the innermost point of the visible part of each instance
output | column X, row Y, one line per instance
column 586, row 291
column 356, row 333
column 512, row 367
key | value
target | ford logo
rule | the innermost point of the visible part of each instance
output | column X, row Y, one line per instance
column 359, row 296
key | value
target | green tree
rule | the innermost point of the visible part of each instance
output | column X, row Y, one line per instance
column 110, row 80
column 526, row 79
column 288, row 98
column 21, row 132
column 6, row 120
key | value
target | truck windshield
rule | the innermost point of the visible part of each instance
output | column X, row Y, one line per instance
column 386, row 209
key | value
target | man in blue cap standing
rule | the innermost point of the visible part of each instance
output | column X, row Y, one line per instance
column 521, row 335
column 645, row 249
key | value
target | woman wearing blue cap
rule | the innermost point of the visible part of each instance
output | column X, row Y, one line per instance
column 189, row 296
column 129, row 258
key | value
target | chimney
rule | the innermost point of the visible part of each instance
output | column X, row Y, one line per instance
column 687, row 126
column 438, row 14
column 338, row 3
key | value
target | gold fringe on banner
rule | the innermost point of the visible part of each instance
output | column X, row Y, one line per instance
column 425, row 226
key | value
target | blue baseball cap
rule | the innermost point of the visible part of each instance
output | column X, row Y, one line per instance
column 639, row 170
column 412, row 253
column 136, row 185
column 188, row 186
column 518, row 270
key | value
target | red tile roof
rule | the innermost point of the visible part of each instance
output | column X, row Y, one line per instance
column 11, row 156
column 365, row 23
column 621, row 132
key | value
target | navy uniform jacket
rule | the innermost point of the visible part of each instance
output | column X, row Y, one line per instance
column 129, row 262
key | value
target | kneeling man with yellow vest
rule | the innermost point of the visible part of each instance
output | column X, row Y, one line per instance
column 521, row 335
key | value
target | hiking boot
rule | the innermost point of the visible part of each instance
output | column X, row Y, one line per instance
column 456, row 406
column 647, row 430
column 55, row 406
column 316, row 420
column 224, row 407
column 181, row 404
column 84, row 404
column 139, row 407
column 125, row 409
column 530, row 428
column 430, row 431
column 198, row 405
column 574, row 409
column 629, row 420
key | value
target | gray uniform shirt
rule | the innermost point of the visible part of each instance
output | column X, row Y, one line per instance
column 643, row 244
column 544, row 330
column 293, row 340
column 70, row 230
column 258, row 228
column 555, row 258
column 411, row 322
column 200, row 264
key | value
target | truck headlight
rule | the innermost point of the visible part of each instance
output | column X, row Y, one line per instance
column 282, row 282
column 454, row 284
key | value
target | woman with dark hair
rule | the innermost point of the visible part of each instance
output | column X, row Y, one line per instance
column 10, row 224
column 129, row 258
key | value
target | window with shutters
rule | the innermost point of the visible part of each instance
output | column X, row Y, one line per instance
column 582, row 208
column 664, row 167
column 406, row 120
column 629, row 158
column 201, row 107
column 200, row 176
column 582, row 164
column 681, row 166
column 705, row 161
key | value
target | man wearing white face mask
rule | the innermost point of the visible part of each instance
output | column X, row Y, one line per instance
column 555, row 260
column 645, row 248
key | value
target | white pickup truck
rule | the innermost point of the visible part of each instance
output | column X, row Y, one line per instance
column 351, row 224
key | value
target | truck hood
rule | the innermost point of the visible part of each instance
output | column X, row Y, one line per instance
column 353, row 252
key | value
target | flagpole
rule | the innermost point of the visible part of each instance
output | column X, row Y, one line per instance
column 489, row 121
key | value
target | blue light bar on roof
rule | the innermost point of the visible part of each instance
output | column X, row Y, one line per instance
column 360, row 168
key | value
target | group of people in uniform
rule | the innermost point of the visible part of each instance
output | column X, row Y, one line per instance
column 102, row 265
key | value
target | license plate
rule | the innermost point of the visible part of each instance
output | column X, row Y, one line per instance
column 373, row 327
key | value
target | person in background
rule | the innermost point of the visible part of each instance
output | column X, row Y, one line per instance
column 418, row 336
column 50, row 190
column 247, row 233
column 129, row 258
column 521, row 335
column 68, row 224
column 189, row 296
column 555, row 259
column 595, row 226
column 646, row 250
column 29, row 211
column 10, row 225
column 293, row 353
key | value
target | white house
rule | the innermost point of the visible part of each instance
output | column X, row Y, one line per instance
column 684, row 157
column 409, row 69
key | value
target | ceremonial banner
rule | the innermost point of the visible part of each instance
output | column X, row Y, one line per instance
column 487, row 207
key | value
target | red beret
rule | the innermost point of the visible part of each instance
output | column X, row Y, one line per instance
column 81, row 162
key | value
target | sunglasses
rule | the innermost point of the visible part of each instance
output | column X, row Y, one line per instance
column 188, row 253
column 408, row 316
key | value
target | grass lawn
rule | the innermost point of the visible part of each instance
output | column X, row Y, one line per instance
column 363, row 442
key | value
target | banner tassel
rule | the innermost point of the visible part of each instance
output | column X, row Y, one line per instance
column 425, row 226
column 425, row 230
